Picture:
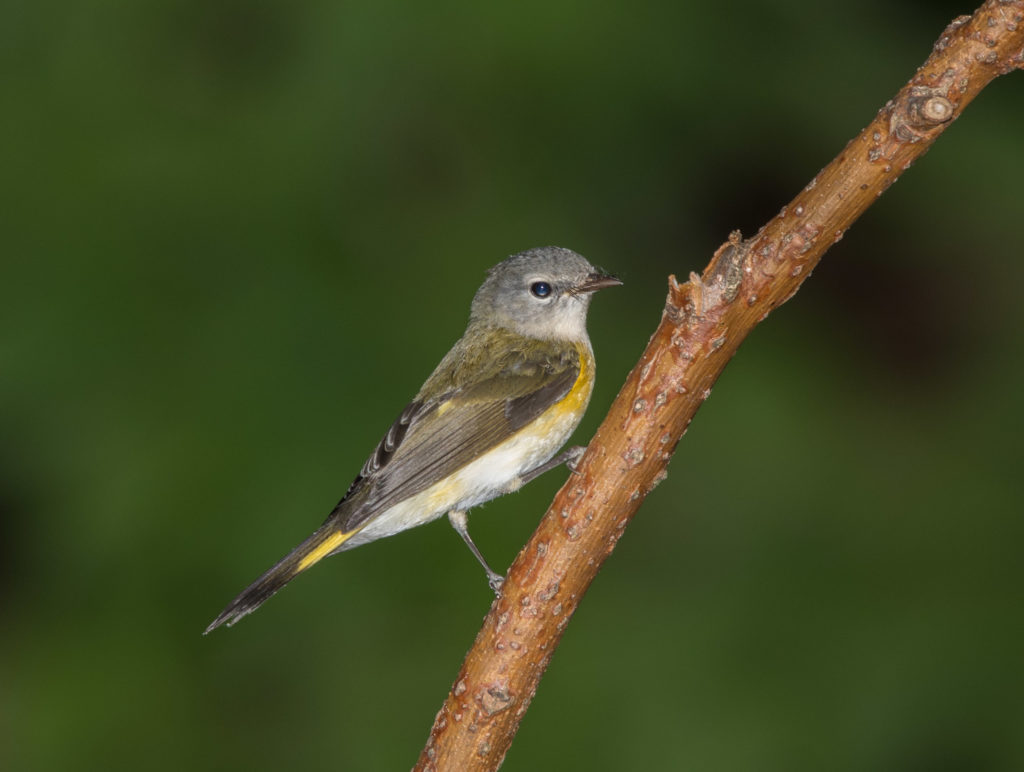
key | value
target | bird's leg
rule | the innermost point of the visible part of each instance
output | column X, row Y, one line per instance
column 459, row 523
column 569, row 457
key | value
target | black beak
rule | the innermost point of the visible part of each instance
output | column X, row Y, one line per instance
column 596, row 281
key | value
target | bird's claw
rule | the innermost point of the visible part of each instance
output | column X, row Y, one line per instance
column 573, row 456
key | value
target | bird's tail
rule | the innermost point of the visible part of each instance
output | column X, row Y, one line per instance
column 322, row 543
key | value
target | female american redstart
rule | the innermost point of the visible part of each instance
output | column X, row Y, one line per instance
column 490, row 418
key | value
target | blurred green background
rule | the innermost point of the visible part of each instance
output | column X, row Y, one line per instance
column 236, row 237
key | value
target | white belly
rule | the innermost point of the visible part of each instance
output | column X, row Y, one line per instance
column 495, row 473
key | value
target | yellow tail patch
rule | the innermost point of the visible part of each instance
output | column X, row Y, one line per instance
column 322, row 550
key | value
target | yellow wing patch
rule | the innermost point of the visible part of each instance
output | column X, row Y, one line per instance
column 324, row 549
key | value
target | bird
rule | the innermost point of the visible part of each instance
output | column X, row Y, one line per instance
column 491, row 417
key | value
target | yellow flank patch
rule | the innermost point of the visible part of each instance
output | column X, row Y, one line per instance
column 323, row 549
column 575, row 401
column 579, row 394
column 565, row 414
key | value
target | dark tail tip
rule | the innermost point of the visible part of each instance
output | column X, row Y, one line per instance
column 256, row 594
column 249, row 600
column 317, row 546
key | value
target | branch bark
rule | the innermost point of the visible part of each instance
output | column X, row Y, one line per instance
column 703, row 323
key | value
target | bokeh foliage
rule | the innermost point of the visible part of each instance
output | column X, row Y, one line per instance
column 236, row 236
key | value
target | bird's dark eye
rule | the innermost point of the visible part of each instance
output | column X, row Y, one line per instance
column 540, row 289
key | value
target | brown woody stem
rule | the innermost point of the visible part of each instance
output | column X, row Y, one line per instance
column 703, row 323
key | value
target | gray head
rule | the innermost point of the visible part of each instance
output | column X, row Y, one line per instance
column 542, row 293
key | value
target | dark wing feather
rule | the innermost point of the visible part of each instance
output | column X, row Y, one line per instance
column 383, row 452
column 432, row 440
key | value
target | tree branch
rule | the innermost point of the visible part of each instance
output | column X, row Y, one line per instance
column 703, row 323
